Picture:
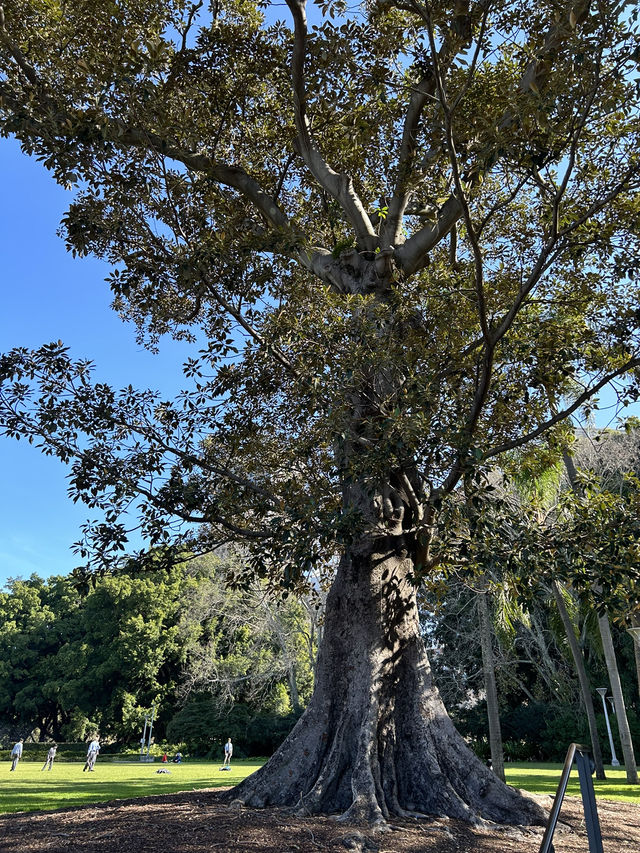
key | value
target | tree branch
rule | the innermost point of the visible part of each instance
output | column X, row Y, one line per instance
column 339, row 186
column 120, row 133
column 564, row 413
column 411, row 256
column 393, row 223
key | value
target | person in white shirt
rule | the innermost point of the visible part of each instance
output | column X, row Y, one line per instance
column 50, row 756
column 92, row 754
column 16, row 754
column 228, row 752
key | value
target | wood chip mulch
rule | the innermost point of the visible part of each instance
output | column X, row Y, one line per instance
column 198, row 822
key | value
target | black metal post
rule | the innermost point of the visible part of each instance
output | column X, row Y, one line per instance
column 585, row 771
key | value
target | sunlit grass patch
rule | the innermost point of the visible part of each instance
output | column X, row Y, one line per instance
column 31, row 789
column 544, row 779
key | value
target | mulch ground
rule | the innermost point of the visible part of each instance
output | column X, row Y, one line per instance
column 198, row 822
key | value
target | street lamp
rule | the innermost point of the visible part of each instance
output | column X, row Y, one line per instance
column 635, row 633
column 153, row 716
column 603, row 692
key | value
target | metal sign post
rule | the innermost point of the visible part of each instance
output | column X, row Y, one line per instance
column 582, row 755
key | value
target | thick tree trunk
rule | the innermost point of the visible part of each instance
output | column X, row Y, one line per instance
column 376, row 740
column 583, row 678
column 489, row 671
column 618, row 700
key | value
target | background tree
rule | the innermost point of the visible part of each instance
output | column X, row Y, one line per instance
column 408, row 219
column 79, row 659
column 101, row 657
column 246, row 645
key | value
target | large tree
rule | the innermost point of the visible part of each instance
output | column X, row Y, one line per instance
column 400, row 230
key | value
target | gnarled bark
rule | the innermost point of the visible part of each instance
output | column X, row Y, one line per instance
column 376, row 740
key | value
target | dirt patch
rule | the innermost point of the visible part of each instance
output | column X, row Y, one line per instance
column 198, row 822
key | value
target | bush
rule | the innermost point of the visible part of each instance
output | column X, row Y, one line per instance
column 203, row 727
column 536, row 731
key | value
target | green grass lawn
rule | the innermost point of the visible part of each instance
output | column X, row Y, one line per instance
column 30, row 789
column 544, row 778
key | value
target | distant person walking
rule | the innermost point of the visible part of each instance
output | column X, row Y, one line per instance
column 92, row 754
column 228, row 752
column 16, row 754
column 50, row 756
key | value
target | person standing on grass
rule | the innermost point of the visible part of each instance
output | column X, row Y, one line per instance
column 92, row 754
column 50, row 756
column 16, row 754
column 228, row 752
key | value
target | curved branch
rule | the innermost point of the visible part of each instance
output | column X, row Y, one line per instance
column 243, row 532
column 397, row 206
column 564, row 413
column 119, row 133
column 339, row 186
column 422, row 93
column 412, row 255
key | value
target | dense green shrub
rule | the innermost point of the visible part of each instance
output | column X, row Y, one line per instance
column 203, row 726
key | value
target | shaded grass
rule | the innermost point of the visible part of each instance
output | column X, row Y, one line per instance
column 30, row 789
column 544, row 779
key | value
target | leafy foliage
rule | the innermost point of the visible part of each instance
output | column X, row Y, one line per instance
column 303, row 239
column 75, row 661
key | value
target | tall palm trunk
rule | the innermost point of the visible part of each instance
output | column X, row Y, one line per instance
column 583, row 678
column 488, row 666
column 635, row 622
column 618, row 701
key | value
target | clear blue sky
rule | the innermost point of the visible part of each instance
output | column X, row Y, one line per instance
column 46, row 295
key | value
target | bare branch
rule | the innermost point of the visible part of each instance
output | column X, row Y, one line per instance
column 195, row 8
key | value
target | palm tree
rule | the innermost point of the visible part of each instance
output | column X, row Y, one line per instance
column 488, row 666
column 612, row 664
column 585, row 688
column 618, row 700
